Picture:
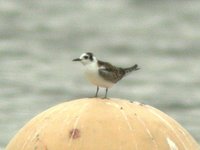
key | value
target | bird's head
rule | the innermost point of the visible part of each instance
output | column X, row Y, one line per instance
column 86, row 58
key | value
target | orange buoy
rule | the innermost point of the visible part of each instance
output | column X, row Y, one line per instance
column 100, row 124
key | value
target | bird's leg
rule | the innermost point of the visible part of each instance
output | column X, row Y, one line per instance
column 105, row 97
column 97, row 91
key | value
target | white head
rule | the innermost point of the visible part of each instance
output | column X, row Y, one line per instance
column 86, row 58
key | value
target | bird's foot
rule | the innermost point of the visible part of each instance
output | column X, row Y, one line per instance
column 106, row 98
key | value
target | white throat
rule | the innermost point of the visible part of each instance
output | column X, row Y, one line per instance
column 91, row 67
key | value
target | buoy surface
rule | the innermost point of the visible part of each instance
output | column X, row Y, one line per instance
column 101, row 124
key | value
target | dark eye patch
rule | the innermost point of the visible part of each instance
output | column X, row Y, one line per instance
column 90, row 56
column 86, row 57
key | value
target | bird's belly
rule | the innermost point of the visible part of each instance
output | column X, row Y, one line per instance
column 93, row 76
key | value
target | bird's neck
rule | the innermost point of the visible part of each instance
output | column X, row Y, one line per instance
column 92, row 66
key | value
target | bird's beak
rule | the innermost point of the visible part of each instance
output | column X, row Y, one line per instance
column 77, row 59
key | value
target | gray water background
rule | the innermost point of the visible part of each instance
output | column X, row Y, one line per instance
column 39, row 38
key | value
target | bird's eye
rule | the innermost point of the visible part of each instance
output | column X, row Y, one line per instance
column 86, row 57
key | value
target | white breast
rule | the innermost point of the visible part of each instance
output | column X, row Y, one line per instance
column 92, row 74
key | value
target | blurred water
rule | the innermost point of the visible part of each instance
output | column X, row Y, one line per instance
column 38, row 40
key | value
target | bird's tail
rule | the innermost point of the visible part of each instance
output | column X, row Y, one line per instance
column 130, row 69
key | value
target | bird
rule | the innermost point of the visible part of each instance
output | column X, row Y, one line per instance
column 101, row 73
